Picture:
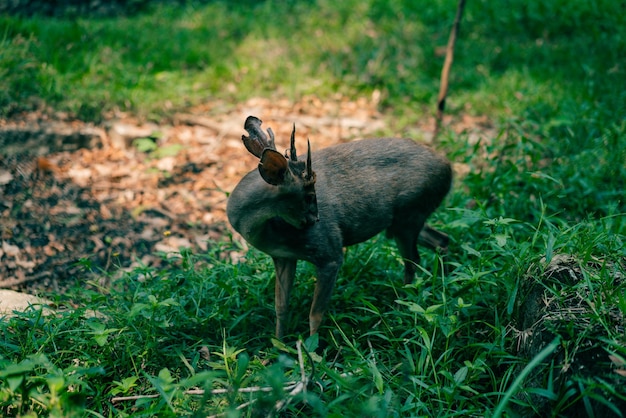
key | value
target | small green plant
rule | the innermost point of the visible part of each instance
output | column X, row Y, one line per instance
column 37, row 385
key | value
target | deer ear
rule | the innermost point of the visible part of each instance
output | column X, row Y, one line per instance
column 273, row 167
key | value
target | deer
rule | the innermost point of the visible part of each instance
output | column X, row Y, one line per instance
column 310, row 207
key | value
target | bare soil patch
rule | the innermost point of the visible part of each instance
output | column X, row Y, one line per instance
column 77, row 198
column 116, row 195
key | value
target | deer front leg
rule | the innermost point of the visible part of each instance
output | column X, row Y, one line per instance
column 285, row 273
column 326, row 277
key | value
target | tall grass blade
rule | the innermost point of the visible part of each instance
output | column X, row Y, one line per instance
column 549, row 349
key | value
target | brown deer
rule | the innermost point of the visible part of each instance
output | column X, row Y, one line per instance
column 357, row 190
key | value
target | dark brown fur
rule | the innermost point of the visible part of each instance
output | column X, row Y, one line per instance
column 360, row 189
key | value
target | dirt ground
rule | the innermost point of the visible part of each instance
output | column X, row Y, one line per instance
column 111, row 197
column 114, row 195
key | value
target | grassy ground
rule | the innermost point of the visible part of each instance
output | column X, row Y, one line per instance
column 526, row 314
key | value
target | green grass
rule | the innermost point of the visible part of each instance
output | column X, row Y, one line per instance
column 550, row 184
column 516, row 63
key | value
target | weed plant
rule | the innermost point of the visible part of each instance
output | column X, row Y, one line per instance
column 194, row 339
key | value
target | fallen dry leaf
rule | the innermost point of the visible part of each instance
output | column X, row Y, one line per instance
column 5, row 177
column 10, row 250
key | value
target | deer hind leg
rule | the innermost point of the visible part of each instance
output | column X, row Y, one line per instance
column 434, row 239
column 406, row 235
column 326, row 277
column 285, row 273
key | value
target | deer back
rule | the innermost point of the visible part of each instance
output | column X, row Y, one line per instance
column 362, row 186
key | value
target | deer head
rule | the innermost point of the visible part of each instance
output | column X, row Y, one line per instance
column 295, row 180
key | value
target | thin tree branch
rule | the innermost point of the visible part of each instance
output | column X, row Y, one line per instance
column 445, row 72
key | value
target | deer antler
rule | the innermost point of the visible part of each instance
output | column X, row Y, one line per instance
column 310, row 174
column 257, row 141
column 293, row 155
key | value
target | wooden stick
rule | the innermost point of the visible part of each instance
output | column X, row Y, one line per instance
column 445, row 72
